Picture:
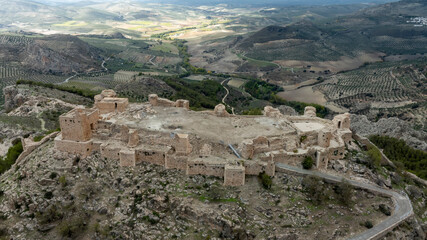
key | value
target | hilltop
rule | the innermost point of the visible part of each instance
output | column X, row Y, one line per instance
column 62, row 54
column 383, row 29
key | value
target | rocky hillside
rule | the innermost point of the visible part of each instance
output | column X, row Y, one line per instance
column 50, row 54
column 393, row 127
column 54, row 195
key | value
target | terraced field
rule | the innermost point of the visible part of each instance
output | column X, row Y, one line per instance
column 15, row 40
column 95, row 81
column 9, row 75
column 387, row 83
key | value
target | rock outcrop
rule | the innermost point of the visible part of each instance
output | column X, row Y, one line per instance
column 13, row 98
column 392, row 127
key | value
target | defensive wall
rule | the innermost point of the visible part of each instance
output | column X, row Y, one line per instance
column 99, row 129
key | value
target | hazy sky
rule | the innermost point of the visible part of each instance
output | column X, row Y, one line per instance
column 239, row 2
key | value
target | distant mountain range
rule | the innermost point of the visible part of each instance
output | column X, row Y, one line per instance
column 229, row 2
column 383, row 28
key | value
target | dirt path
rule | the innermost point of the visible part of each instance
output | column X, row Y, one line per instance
column 226, row 95
column 76, row 73
column 43, row 123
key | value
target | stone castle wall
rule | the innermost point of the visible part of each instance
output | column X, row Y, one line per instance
column 77, row 125
column 176, row 161
column 234, row 175
column 199, row 166
column 83, row 149
column 157, row 157
column 110, row 151
column 163, row 102
column 86, row 131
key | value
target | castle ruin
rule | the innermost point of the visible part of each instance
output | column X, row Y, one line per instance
column 214, row 143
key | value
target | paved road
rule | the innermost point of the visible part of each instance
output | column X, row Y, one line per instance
column 76, row 73
column 68, row 79
column 226, row 95
column 151, row 60
column 403, row 207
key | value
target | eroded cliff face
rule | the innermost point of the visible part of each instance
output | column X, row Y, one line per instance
column 393, row 127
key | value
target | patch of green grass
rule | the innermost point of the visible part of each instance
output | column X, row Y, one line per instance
column 258, row 63
column 11, row 156
column 24, row 122
column 253, row 111
column 165, row 47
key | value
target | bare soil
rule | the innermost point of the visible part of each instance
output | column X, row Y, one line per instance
column 344, row 64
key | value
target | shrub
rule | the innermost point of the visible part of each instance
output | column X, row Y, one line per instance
column 53, row 175
column 3, row 232
column 82, row 92
column 51, row 214
column 38, row 138
column 215, row 192
column 344, row 190
column 72, row 228
column 315, row 188
column 302, row 138
column 48, row 195
column 307, row 163
column 374, row 158
column 385, row 209
column 368, row 224
column 62, row 180
column 150, row 220
column 266, row 180
column 253, row 111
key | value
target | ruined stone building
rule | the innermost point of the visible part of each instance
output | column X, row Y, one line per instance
column 214, row 143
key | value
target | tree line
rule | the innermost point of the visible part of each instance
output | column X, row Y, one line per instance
column 397, row 150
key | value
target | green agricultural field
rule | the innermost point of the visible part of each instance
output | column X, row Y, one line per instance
column 255, row 62
column 79, row 84
column 71, row 24
column 389, row 82
column 237, row 83
column 165, row 47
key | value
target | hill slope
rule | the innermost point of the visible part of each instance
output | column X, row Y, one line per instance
column 382, row 28
column 53, row 54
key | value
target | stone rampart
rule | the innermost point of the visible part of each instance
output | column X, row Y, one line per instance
column 234, row 175
column 154, row 156
column 205, row 167
column 127, row 158
column 83, row 148
column 163, row 102
column 110, row 151
column 175, row 161
column 30, row 146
